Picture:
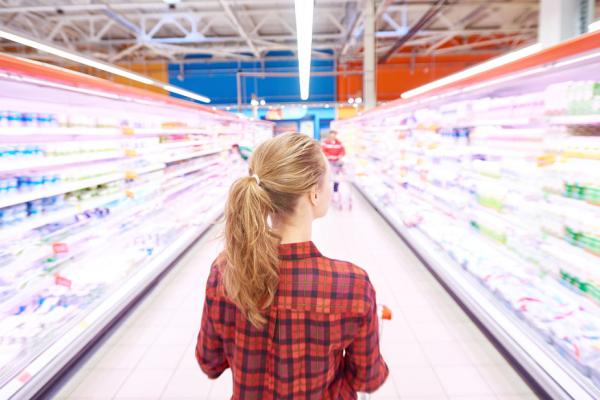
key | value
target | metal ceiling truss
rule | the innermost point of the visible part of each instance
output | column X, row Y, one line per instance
column 146, row 31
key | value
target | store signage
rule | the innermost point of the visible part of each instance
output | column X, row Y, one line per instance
column 286, row 113
column 61, row 281
column 59, row 248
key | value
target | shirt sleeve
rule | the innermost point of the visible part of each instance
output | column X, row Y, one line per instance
column 209, row 348
column 365, row 369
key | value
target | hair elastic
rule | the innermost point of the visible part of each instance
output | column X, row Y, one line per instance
column 256, row 178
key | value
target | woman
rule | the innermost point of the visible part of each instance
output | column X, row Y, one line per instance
column 289, row 322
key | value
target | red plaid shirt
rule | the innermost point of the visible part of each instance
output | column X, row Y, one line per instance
column 321, row 339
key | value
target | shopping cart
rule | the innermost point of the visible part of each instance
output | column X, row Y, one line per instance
column 384, row 314
column 342, row 194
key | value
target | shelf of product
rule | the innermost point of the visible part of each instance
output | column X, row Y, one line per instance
column 95, row 202
column 505, row 207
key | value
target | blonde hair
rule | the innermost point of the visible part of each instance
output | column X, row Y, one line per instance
column 281, row 170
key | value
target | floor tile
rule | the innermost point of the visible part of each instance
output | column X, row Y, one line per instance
column 517, row 397
column 101, row 384
column 162, row 356
column 428, row 333
column 417, row 381
column 123, row 356
column 462, row 381
column 482, row 353
column 503, row 380
column 403, row 354
column 440, row 354
column 187, row 384
column 145, row 383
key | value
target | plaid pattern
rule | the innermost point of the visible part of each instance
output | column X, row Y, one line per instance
column 321, row 339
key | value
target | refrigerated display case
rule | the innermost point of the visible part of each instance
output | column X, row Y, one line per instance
column 102, row 187
column 493, row 178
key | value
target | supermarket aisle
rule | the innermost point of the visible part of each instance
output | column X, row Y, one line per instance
column 434, row 351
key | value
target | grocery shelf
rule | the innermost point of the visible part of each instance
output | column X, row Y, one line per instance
column 54, row 190
column 171, row 131
column 559, row 380
column 33, row 378
column 59, row 131
column 148, row 169
column 187, row 170
column 53, row 161
column 198, row 154
column 179, row 144
column 12, row 232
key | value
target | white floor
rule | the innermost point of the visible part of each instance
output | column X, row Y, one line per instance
column 433, row 350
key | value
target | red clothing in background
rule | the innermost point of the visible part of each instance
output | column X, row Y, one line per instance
column 321, row 339
column 333, row 149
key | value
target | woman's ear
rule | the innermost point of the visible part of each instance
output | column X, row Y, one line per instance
column 313, row 196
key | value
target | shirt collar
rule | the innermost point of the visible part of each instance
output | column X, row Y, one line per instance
column 298, row 251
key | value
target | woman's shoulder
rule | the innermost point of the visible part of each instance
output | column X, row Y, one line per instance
column 338, row 267
column 216, row 269
column 345, row 272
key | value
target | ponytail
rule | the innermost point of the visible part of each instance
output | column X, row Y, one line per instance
column 281, row 170
column 252, row 248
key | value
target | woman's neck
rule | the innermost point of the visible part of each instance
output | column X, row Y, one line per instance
column 293, row 230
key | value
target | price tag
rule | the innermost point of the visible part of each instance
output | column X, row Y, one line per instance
column 546, row 159
column 60, row 248
column 127, row 131
column 130, row 194
column 131, row 153
column 84, row 324
column 24, row 377
column 131, row 175
column 61, row 281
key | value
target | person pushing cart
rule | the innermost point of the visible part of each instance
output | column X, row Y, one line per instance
column 334, row 151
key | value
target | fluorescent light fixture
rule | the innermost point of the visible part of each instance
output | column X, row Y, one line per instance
column 304, row 24
column 46, row 48
column 479, row 68
column 186, row 93
column 74, row 57
column 594, row 26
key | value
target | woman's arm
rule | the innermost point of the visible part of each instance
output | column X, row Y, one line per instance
column 210, row 352
column 365, row 369
column 209, row 348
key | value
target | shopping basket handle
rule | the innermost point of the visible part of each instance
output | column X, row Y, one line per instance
column 385, row 313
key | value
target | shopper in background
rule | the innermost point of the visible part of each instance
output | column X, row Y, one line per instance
column 334, row 151
column 243, row 151
column 289, row 322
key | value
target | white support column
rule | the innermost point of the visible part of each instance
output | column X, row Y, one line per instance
column 562, row 19
column 369, row 63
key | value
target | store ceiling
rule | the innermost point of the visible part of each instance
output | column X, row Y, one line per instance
column 145, row 30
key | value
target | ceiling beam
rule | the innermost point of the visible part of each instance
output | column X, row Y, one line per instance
column 236, row 23
column 484, row 43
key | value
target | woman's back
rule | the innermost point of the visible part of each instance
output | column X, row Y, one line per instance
column 320, row 340
column 290, row 323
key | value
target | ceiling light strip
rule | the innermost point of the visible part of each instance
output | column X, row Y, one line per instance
column 304, row 26
column 17, row 38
